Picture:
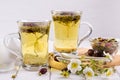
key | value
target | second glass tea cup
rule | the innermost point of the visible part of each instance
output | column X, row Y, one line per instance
column 66, row 31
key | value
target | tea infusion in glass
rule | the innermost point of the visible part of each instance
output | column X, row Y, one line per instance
column 34, row 42
column 66, row 28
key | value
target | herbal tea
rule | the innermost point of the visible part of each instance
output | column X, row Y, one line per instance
column 34, row 38
column 66, row 28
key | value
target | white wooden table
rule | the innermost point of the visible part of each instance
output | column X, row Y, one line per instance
column 55, row 74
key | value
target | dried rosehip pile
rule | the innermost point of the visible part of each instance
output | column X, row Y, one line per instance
column 95, row 53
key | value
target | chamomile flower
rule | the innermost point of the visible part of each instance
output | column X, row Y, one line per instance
column 109, row 72
column 65, row 73
column 74, row 65
column 88, row 72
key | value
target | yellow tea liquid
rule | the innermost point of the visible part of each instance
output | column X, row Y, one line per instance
column 34, row 44
column 66, row 27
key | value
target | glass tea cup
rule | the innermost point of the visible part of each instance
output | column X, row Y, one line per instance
column 33, row 37
column 66, row 31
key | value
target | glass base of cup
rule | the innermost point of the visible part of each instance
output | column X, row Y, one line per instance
column 60, row 53
column 33, row 67
column 30, row 67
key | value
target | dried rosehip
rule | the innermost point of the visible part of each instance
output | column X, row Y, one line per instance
column 42, row 71
column 90, row 52
column 98, row 53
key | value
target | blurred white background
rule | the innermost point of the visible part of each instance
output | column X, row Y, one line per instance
column 104, row 15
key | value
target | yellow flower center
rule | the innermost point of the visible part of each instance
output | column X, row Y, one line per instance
column 65, row 73
column 108, row 73
column 89, row 74
column 74, row 65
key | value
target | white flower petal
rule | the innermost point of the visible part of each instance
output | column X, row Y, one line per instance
column 69, row 66
column 73, row 71
column 74, row 65
column 76, row 61
column 88, row 72
column 79, row 68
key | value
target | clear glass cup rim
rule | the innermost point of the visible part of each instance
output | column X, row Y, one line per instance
column 39, row 23
column 68, row 11
column 36, row 21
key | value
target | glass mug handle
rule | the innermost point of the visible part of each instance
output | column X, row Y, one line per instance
column 10, row 44
column 87, row 34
